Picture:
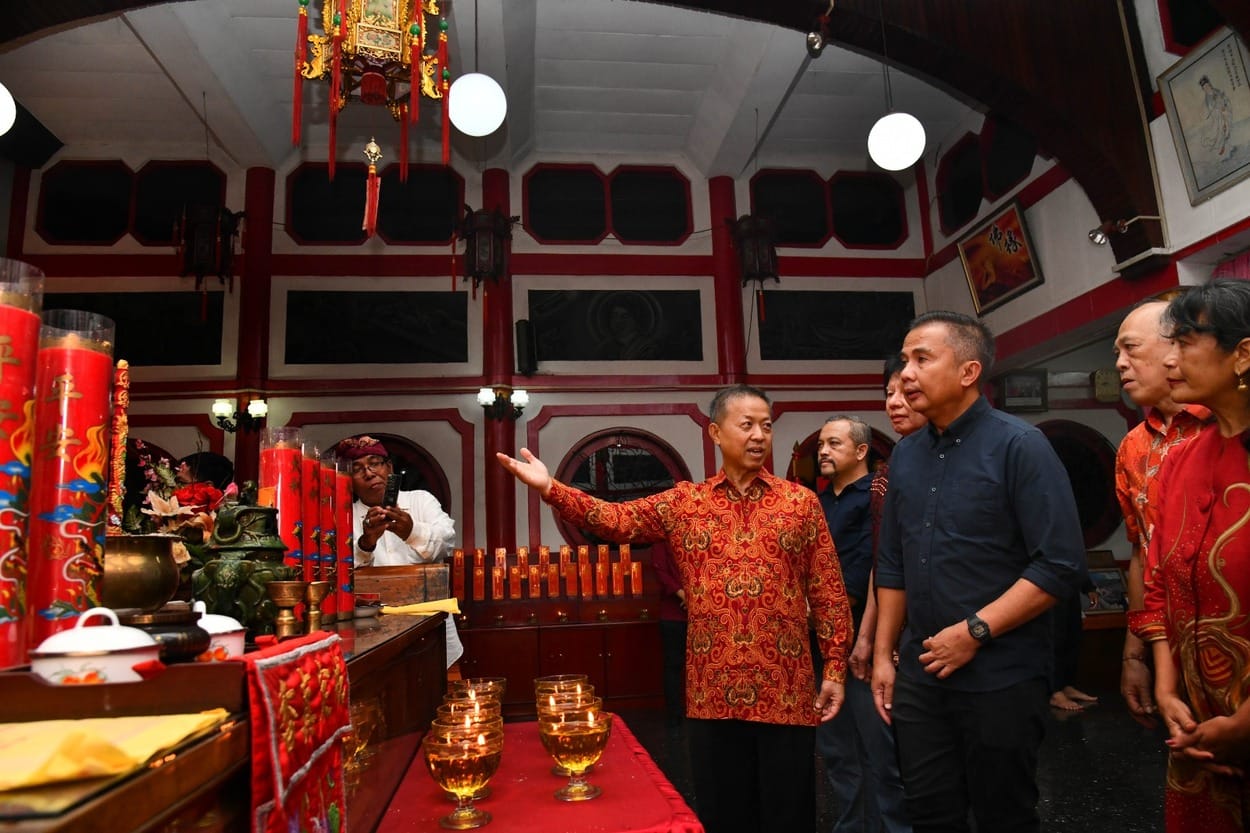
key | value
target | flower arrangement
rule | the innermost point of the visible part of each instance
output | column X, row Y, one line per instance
column 168, row 507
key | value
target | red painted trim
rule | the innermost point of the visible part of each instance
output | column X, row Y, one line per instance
column 1026, row 197
column 549, row 412
column 19, row 204
column 201, row 422
column 1212, row 239
column 456, row 208
column 152, row 168
column 900, row 202
column 575, row 166
column 944, row 175
column 289, row 202
column 66, row 167
column 658, row 169
column 795, row 266
column 726, row 272
column 793, row 173
column 926, row 212
column 1098, row 303
column 1157, row 106
column 451, row 416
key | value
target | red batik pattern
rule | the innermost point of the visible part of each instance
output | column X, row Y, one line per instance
column 751, row 564
column 1197, row 585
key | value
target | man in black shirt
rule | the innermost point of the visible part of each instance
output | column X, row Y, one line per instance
column 980, row 538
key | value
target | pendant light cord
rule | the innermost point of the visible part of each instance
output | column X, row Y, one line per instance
column 885, row 56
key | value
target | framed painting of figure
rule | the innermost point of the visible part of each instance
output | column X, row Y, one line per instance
column 1207, row 98
column 999, row 260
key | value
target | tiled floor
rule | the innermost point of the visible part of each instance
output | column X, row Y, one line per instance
column 1100, row 771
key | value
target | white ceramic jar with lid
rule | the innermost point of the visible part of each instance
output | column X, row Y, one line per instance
column 85, row 655
column 226, row 635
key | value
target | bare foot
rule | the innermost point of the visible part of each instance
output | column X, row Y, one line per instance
column 1079, row 696
column 1059, row 700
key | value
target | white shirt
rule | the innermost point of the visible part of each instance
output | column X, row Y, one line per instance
column 432, row 539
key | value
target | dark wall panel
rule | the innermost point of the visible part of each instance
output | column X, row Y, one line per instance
column 616, row 325
column 376, row 327
column 834, row 325
column 155, row 329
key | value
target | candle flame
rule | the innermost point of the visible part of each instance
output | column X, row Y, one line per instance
column 551, row 699
column 590, row 717
column 472, row 694
column 481, row 740
column 468, row 721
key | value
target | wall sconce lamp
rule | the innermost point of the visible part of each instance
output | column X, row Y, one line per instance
column 230, row 420
column 503, row 403
column 1099, row 236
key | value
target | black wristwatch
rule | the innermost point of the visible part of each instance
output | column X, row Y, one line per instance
column 979, row 630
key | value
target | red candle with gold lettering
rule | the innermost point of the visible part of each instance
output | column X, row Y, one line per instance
column 536, row 583
column 329, row 539
column 344, row 544
column 73, row 375
column 281, row 486
column 553, row 581
column 21, row 293
column 457, row 574
column 514, row 582
column 311, row 530
column 618, row 579
column 635, row 578
column 496, row 582
column 570, row 580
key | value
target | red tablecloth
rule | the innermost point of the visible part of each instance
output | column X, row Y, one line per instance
column 636, row 798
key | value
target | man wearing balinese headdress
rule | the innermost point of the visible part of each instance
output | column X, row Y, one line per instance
column 415, row 530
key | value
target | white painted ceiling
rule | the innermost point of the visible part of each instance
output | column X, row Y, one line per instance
column 584, row 79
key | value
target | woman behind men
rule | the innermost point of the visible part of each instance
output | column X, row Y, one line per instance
column 1198, row 567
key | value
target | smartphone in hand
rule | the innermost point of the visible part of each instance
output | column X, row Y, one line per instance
column 391, row 496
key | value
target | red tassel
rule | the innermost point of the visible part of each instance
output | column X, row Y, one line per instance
column 297, row 98
column 373, row 188
column 336, row 80
column 414, row 82
column 403, row 144
column 445, row 85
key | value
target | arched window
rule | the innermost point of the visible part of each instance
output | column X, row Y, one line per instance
column 617, row 465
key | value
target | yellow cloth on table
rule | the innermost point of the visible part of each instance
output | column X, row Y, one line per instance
column 50, row 751
column 426, row 608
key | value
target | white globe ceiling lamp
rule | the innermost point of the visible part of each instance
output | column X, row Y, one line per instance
column 8, row 110
column 477, row 104
column 896, row 141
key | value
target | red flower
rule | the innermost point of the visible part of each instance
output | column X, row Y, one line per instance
column 199, row 496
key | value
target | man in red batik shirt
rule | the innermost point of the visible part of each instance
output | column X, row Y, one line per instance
column 1140, row 347
column 754, row 553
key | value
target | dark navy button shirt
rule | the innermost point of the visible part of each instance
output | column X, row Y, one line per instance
column 849, row 517
column 969, row 512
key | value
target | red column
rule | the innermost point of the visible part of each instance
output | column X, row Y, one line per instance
column 731, row 348
column 254, row 285
column 497, row 366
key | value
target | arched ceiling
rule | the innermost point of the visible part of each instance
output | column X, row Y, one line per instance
column 1063, row 70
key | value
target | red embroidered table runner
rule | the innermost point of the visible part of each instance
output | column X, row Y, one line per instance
column 298, row 691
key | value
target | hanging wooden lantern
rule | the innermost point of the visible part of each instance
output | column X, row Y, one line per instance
column 757, row 256
column 486, row 236
column 206, row 237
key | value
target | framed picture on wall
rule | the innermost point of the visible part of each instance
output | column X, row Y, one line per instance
column 1023, row 390
column 1109, row 584
column 1207, row 101
column 999, row 260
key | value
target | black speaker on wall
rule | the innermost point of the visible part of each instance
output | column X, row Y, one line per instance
column 526, row 348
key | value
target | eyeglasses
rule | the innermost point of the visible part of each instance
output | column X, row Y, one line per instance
column 372, row 464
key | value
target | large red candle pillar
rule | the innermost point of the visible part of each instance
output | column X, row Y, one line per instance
column 254, row 288
column 498, row 363
column 731, row 348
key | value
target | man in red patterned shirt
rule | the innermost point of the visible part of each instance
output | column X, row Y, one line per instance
column 1140, row 347
column 754, row 554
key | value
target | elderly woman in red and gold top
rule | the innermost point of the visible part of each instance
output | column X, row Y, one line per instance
column 754, row 555
column 1198, row 568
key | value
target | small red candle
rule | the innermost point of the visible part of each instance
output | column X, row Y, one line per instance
column 601, row 579
column 522, row 559
column 514, row 582
column 344, row 544
column 496, row 582
column 618, row 579
column 329, row 538
column 553, row 581
column 566, row 555
column 536, row 583
column 21, row 292
column 587, row 577
column 281, row 486
column 457, row 574
column 479, row 584
column 635, row 578
column 310, row 532
column 570, row 580
column 625, row 556
column 74, row 372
